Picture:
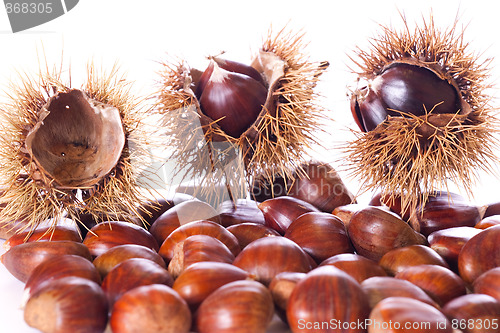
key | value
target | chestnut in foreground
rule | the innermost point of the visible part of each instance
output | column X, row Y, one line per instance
column 150, row 309
column 237, row 307
column 327, row 294
column 70, row 304
column 407, row 315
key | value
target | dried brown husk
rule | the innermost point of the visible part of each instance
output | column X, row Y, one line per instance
column 412, row 155
column 30, row 193
column 274, row 145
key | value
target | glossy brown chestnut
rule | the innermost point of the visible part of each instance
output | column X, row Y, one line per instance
column 22, row 259
column 488, row 283
column 326, row 294
column 185, row 212
column 393, row 203
column 480, row 254
column 321, row 186
column 403, row 87
column 399, row 259
column 153, row 308
column 70, row 304
column 241, row 211
column 445, row 210
column 374, row 232
column 57, row 233
column 117, row 254
column 152, row 209
column 379, row 287
column 269, row 256
column 108, row 234
column 203, row 227
column 198, row 248
column 492, row 209
column 280, row 212
column 131, row 274
column 237, row 307
column 358, row 267
column 440, row 283
column 344, row 213
column 248, row 232
column 62, row 266
column 200, row 279
column 474, row 313
column 404, row 314
column 232, row 99
column 487, row 222
column 449, row 242
column 321, row 235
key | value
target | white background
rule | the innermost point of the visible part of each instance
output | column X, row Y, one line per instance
column 139, row 34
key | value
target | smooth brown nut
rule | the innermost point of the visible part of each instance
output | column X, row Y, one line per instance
column 449, row 242
column 57, row 233
column 488, row 283
column 480, row 254
column 237, row 307
column 403, row 314
column 269, row 256
column 358, row 267
column 151, row 308
column 241, row 211
column 374, row 232
column 185, row 212
column 280, row 212
column 445, row 210
column 200, row 279
column 379, row 287
column 321, row 235
column 399, row 259
column 70, row 304
column 198, row 248
column 440, row 283
column 204, row 227
column 393, row 202
column 109, row 234
column 152, row 209
column 344, row 213
column 117, row 254
column 474, row 313
column 316, row 298
column 492, row 209
column 62, row 266
column 248, row 232
column 487, row 222
column 322, row 187
column 22, row 259
column 133, row 273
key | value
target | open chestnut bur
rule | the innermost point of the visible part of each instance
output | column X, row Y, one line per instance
column 234, row 121
column 67, row 150
column 423, row 113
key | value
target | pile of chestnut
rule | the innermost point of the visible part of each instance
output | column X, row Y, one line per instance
column 231, row 269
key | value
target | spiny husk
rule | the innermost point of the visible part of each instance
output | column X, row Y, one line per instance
column 414, row 156
column 35, row 199
column 273, row 146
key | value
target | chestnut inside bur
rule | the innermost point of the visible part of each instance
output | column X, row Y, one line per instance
column 405, row 88
column 233, row 99
column 77, row 140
